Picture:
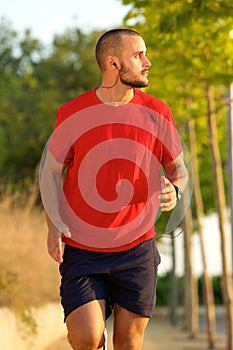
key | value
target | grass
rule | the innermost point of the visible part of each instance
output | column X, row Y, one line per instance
column 28, row 276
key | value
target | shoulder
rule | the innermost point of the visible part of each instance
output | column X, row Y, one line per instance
column 84, row 100
column 75, row 105
column 152, row 102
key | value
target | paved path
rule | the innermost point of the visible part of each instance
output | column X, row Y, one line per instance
column 161, row 335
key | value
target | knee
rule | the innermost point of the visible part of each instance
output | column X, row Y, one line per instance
column 85, row 341
column 128, row 343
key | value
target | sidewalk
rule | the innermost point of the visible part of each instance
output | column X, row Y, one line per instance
column 161, row 335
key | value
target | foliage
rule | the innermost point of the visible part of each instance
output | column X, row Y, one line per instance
column 190, row 46
column 34, row 82
column 164, row 290
column 28, row 276
column 216, row 281
column 188, row 43
column 8, row 283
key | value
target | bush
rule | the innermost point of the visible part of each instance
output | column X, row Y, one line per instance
column 216, row 281
column 28, row 276
column 164, row 290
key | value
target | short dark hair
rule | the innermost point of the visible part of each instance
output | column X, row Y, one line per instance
column 110, row 43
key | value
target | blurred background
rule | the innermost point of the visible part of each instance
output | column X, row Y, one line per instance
column 46, row 59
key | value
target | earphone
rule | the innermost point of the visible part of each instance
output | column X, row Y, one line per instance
column 111, row 86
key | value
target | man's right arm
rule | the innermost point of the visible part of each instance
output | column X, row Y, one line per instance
column 51, row 194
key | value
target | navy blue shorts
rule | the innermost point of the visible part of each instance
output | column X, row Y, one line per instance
column 127, row 278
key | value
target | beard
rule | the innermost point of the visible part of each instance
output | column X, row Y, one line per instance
column 130, row 79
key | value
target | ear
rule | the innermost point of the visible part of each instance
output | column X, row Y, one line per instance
column 112, row 63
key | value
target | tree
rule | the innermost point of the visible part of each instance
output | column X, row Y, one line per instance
column 208, row 287
column 183, row 58
column 190, row 281
column 34, row 82
column 221, row 207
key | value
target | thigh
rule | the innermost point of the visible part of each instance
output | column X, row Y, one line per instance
column 86, row 325
column 83, row 280
column 129, row 329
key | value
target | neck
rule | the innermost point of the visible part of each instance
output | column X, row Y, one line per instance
column 115, row 95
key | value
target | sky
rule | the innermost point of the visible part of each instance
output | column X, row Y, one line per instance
column 48, row 17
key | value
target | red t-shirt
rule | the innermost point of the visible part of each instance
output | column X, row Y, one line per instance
column 112, row 156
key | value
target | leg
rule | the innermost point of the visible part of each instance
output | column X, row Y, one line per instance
column 133, row 293
column 129, row 329
column 84, row 289
column 86, row 326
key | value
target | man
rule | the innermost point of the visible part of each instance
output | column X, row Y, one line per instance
column 111, row 142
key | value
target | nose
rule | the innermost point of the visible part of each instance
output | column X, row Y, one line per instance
column 146, row 62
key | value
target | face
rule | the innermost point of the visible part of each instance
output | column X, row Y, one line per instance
column 134, row 63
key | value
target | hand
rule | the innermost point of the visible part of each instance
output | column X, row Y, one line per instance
column 168, row 195
column 54, row 243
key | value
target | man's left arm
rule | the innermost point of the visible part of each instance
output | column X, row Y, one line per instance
column 173, row 183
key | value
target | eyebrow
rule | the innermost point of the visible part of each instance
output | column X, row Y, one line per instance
column 139, row 52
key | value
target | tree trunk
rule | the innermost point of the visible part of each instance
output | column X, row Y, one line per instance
column 207, row 283
column 173, row 285
column 190, row 282
column 221, row 207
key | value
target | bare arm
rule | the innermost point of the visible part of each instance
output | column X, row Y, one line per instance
column 176, row 174
column 51, row 193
